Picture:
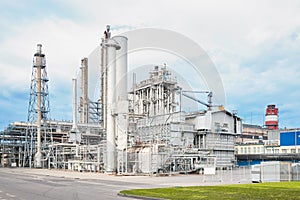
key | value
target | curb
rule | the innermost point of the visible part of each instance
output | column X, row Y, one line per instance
column 139, row 197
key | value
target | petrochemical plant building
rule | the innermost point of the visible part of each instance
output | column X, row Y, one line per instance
column 141, row 131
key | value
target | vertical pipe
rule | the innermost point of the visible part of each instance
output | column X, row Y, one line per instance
column 74, row 105
column 147, row 102
column 168, row 104
column 173, row 102
column 38, row 156
column 180, row 99
column 20, row 151
column 103, row 83
column 133, row 88
column 157, row 100
column 163, row 102
column 151, row 103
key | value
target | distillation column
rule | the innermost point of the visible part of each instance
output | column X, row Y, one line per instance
column 111, row 46
column 84, row 102
column 122, row 103
column 121, row 92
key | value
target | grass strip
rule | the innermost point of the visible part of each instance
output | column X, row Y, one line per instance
column 279, row 190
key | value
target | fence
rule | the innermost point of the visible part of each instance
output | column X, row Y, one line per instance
column 241, row 174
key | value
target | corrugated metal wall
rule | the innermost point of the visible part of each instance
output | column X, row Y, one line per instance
column 290, row 138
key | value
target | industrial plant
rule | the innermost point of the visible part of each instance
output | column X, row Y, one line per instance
column 141, row 128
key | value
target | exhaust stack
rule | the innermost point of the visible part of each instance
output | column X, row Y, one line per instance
column 39, row 64
column 75, row 135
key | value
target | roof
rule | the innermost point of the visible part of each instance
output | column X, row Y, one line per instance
column 252, row 126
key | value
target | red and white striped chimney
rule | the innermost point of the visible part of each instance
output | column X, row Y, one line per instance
column 271, row 120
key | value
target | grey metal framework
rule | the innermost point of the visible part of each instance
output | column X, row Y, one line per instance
column 38, row 104
column 12, row 144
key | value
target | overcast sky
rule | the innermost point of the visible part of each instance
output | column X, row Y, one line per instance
column 255, row 46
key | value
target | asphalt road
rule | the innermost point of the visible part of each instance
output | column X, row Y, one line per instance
column 20, row 186
column 42, row 184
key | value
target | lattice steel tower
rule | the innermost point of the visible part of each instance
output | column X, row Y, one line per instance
column 39, row 136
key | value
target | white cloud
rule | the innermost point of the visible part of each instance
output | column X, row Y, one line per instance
column 64, row 43
column 238, row 36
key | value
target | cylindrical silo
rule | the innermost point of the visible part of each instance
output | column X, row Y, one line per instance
column 111, row 47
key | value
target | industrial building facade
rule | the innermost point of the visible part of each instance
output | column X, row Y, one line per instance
column 140, row 130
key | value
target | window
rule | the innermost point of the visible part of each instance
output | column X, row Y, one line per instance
column 254, row 149
column 284, row 150
column 293, row 150
column 249, row 150
column 257, row 149
column 276, row 150
column 218, row 127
